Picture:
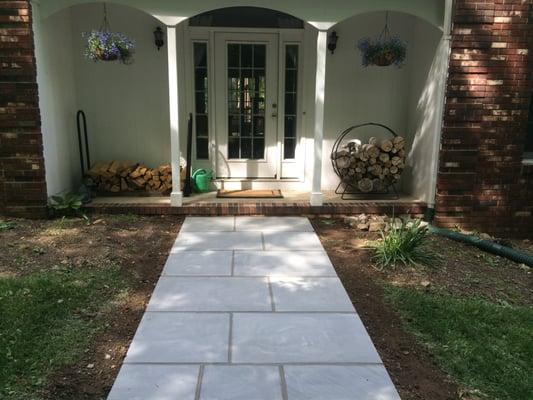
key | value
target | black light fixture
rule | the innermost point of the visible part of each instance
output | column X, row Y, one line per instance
column 159, row 37
column 332, row 41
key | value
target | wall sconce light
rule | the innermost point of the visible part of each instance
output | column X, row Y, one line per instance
column 159, row 37
column 332, row 41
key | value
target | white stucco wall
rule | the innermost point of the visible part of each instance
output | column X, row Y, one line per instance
column 57, row 101
column 391, row 96
column 126, row 105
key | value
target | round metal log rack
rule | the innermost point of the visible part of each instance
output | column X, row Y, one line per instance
column 347, row 187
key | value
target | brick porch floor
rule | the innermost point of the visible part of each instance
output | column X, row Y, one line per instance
column 293, row 203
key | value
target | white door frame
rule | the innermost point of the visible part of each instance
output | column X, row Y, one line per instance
column 286, row 36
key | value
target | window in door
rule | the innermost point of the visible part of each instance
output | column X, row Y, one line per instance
column 201, row 101
column 291, row 96
column 246, row 100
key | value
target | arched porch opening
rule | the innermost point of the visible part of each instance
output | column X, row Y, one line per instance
column 405, row 99
column 126, row 105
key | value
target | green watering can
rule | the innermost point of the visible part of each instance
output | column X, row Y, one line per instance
column 202, row 180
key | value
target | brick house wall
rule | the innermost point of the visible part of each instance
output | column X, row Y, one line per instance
column 482, row 183
column 22, row 177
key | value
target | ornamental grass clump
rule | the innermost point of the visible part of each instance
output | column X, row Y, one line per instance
column 103, row 45
column 404, row 243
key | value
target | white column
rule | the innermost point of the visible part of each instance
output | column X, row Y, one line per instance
column 176, row 197
column 320, row 86
column 443, row 64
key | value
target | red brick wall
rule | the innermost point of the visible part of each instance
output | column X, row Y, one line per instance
column 482, row 183
column 22, row 179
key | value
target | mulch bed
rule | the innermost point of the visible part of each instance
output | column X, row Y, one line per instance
column 464, row 272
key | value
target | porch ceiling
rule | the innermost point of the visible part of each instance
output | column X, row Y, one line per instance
column 320, row 13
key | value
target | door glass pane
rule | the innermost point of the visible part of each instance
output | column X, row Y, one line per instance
column 233, row 55
column 201, row 109
column 246, row 100
column 259, row 56
column 291, row 96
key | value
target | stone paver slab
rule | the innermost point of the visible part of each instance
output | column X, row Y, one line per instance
column 310, row 338
column 219, row 241
column 283, row 263
column 292, row 241
column 310, row 294
column 180, row 338
column 208, row 224
column 155, row 382
column 211, row 294
column 369, row 382
column 241, row 383
column 273, row 224
column 198, row 263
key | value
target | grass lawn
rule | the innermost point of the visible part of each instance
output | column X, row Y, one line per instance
column 72, row 293
column 483, row 345
column 47, row 321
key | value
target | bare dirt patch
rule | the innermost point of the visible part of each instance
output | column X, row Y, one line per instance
column 139, row 246
column 463, row 271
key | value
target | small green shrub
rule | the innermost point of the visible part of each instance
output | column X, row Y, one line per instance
column 6, row 225
column 67, row 204
column 403, row 243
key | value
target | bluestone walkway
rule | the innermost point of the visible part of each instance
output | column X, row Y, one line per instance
column 250, row 308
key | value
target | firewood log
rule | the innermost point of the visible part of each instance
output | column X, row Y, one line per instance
column 386, row 145
column 398, row 142
column 365, row 185
column 384, row 157
column 396, row 160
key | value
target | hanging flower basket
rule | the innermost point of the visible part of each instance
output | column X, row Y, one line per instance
column 385, row 50
column 105, row 45
column 109, row 46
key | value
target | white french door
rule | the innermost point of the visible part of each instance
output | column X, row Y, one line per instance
column 246, row 105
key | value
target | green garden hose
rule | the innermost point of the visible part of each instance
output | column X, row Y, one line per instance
column 486, row 245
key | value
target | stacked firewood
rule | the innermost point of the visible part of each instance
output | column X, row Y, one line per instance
column 373, row 166
column 122, row 176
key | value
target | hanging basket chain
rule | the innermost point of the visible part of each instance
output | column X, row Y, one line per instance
column 106, row 45
column 385, row 33
column 384, row 50
column 105, row 27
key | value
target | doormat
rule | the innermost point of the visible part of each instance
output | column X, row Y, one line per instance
column 250, row 194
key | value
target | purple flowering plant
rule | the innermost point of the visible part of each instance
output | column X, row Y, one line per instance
column 383, row 51
column 103, row 45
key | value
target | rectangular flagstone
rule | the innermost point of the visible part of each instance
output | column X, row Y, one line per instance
column 155, row 382
column 225, row 382
column 273, row 224
column 292, row 241
column 334, row 382
column 180, row 338
column 208, row 224
column 210, row 294
column 219, row 241
column 195, row 263
column 310, row 338
column 310, row 294
column 283, row 263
